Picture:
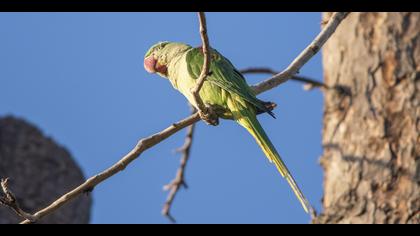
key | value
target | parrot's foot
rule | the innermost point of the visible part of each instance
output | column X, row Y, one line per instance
column 209, row 116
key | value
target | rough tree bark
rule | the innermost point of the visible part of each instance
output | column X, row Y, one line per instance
column 371, row 134
column 39, row 171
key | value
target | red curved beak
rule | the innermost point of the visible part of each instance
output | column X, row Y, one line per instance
column 150, row 64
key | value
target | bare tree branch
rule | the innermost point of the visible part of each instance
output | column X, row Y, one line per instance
column 309, row 83
column 9, row 200
column 151, row 141
column 304, row 56
column 206, row 113
column 179, row 181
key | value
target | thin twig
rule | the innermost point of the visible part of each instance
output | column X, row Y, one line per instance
column 206, row 113
column 151, row 141
column 304, row 56
column 9, row 200
column 309, row 83
column 206, row 63
column 179, row 181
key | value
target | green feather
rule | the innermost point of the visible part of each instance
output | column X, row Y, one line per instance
column 224, row 75
column 247, row 118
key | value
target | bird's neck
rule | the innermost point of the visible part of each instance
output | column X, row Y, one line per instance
column 174, row 70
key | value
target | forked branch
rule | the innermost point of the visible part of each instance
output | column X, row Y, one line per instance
column 179, row 181
column 304, row 56
column 308, row 82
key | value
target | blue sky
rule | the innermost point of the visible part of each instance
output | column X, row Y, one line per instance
column 80, row 78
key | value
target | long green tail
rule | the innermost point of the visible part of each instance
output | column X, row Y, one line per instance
column 249, row 120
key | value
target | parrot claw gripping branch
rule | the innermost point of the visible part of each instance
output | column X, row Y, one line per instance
column 222, row 93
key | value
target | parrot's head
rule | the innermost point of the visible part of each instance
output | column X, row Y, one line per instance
column 158, row 57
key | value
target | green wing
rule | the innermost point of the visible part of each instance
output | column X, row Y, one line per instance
column 224, row 75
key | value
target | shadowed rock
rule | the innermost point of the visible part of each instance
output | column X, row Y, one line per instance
column 40, row 171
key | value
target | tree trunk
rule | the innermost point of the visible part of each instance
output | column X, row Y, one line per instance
column 371, row 129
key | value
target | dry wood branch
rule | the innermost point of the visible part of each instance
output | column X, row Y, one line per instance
column 179, row 181
column 206, row 113
column 151, row 141
column 10, row 201
column 304, row 56
column 309, row 83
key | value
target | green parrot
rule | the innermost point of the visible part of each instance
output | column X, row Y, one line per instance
column 224, row 90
